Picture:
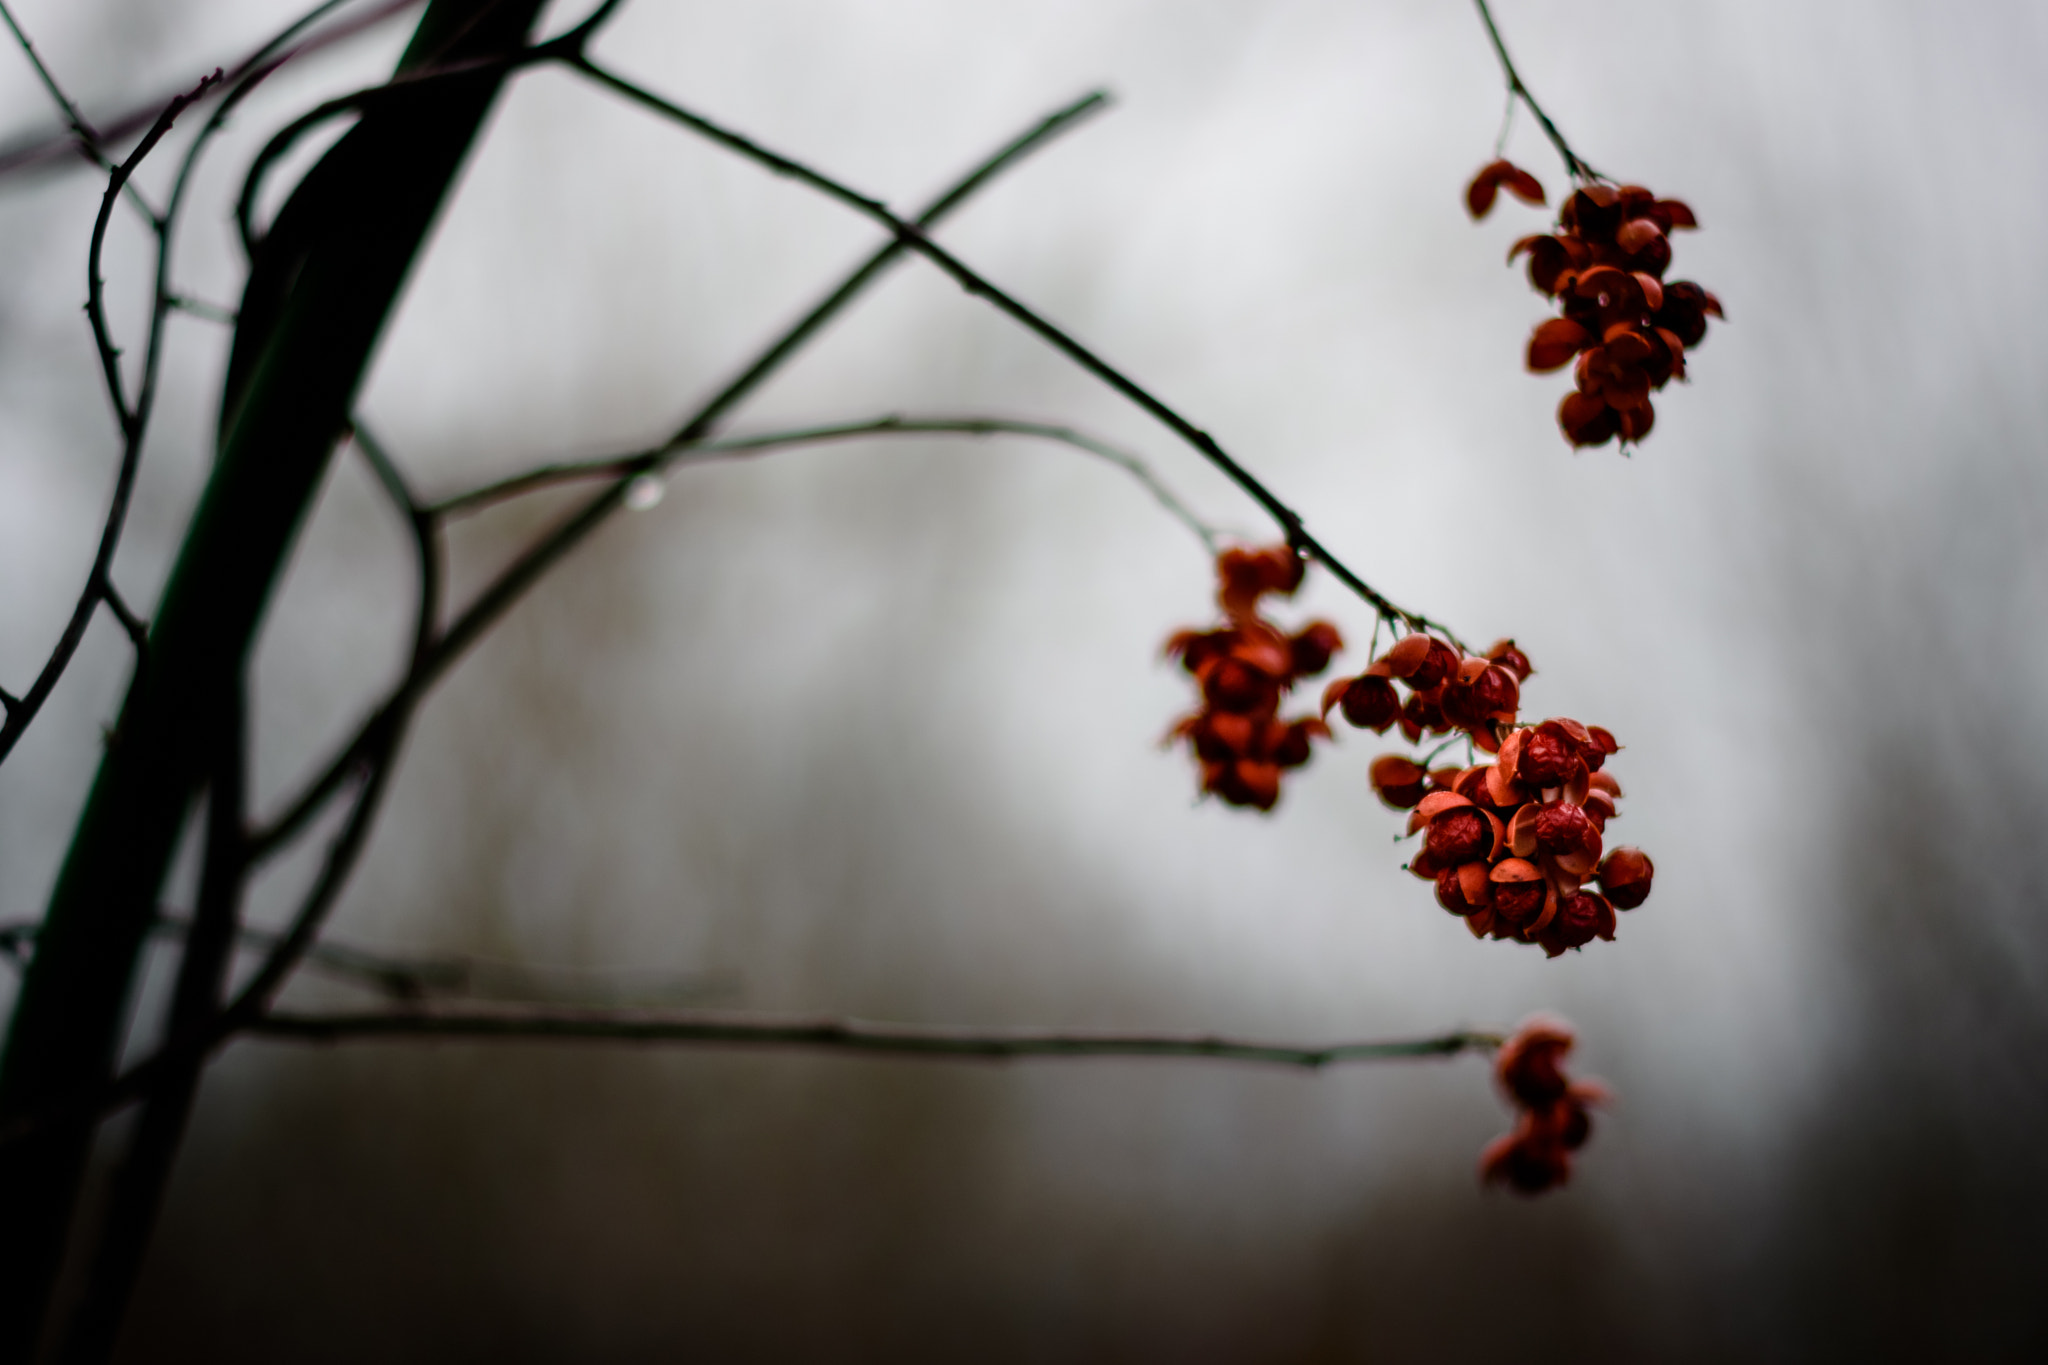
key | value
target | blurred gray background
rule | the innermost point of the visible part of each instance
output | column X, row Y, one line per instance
column 872, row 729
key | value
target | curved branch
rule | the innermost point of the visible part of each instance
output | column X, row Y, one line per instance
column 1574, row 164
column 536, row 1023
column 912, row 236
column 667, row 457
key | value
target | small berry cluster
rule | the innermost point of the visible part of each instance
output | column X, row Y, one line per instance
column 1553, row 1123
column 1245, row 668
column 1605, row 268
column 1448, row 690
column 1509, row 844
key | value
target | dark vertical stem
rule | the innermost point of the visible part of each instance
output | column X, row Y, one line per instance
column 318, row 297
column 202, row 975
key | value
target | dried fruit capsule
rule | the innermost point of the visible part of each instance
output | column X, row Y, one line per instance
column 1625, row 877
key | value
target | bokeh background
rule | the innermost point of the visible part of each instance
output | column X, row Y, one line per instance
column 872, row 729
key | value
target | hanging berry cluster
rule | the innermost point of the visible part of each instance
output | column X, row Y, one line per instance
column 1245, row 668
column 1553, row 1123
column 1604, row 267
column 1510, row 844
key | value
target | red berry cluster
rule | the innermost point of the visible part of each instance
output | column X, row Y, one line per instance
column 1509, row 844
column 1448, row 690
column 1553, row 1122
column 1605, row 267
column 1245, row 667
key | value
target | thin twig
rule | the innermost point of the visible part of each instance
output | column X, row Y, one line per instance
column 528, row 568
column 852, row 1035
column 85, row 136
column 200, row 308
column 137, row 628
column 667, row 457
column 1574, row 164
column 36, row 149
column 451, row 976
column 136, row 417
column 566, row 46
column 134, row 421
column 571, row 1024
column 424, row 524
column 913, row 236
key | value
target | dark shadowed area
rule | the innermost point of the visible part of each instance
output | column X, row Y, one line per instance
column 872, row 729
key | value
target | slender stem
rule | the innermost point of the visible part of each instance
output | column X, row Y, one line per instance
column 667, row 457
column 1573, row 162
column 134, row 424
column 457, row 976
column 913, row 237
column 1433, row 754
column 498, row 598
column 540, row 1023
column 137, row 628
column 853, row 1035
column 200, row 308
column 424, row 524
column 88, row 140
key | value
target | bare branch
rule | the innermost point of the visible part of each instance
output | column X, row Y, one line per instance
column 536, row 1023
column 912, row 236
column 667, row 457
